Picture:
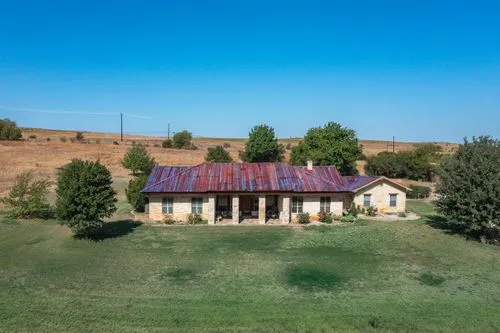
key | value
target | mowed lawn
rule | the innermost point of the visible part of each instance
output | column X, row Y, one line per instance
column 367, row 277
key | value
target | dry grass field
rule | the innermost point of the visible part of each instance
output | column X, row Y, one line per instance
column 45, row 157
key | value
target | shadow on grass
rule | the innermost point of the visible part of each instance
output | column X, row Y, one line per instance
column 490, row 236
column 113, row 229
column 310, row 278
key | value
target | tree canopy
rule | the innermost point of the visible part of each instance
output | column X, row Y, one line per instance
column 469, row 188
column 85, row 196
column 262, row 146
column 405, row 164
column 183, row 140
column 9, row 130
column 135, row 197
column 218, row 154
column 137, row 160
column 331, row 144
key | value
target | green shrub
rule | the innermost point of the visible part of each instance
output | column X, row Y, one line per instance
column 9, row 130
column 371, row 211
column 349, row 218
column 325, row 217
column 167, row 144
column 419, row 192
column 85, row 196
column 32, row 136
column 288, row 146
column 195, row 219
column 356, row 210
column 115, row 143
column 168, row 219
column 48, row 139
column 405, row 164
column 137, row 160
column 28, row 198
column 135, row 197
column 182, row 140
column 218, row 155
column 303, row 218
column 63, row 139
column 402, row 214
column 79, row 136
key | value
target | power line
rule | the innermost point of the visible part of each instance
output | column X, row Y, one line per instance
column 16, row 109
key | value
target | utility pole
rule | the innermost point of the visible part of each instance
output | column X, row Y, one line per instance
column 168, row 133
column 393, row 144
column 121, row 127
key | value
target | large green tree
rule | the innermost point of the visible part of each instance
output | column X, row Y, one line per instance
column 183, row 140
column 137, row 160
column 331, row 144
column 262, row 146
column 218, row 154
column 135, row 197
column 469, row 188
column 85, row 196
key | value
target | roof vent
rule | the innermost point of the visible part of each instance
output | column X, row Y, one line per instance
column 309, row 165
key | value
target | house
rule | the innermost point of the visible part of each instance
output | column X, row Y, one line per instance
column 235, row 192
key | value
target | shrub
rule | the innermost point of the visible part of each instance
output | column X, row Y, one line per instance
column 226, row 145
column 32, row 136
column 303, row 218
column 85, row 196
column 371, row 211
column 195, row 219
column 419, row 192
column 168, row 219
column 218, row 154
column 288, row 146
column 27, row 198
column 9, row 130
column 79, row 136
column 356, row 210
column 98, row 141
column 349, row 218
column 137, row 160
column 72, row 140
column 156, row 145
column 167, row 143
column 325, row 217
column 135, row 197
column 469, row 189
column 404, row 164
column 115, row 143
column 63, row 139
column 182, row 140
column 48, row 139
column 402, row 214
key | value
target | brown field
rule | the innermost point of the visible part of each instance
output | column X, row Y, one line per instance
column 45, row 157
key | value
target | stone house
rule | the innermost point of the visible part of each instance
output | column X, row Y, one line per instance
column 232, row 193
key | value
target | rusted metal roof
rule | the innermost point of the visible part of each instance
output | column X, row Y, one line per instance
column 250, row 177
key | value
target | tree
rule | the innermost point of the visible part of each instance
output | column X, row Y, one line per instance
column 183, row 140
column 28, row 198
column 135, row 197
column 85, row 196
column 9, row 130
column 262, row 146
column 469, row 188
column 79, row 136
column 218, row 154
column 331, row 144
column 430, row 152
column 137, row 160
column 167, row 143
column 405, row 164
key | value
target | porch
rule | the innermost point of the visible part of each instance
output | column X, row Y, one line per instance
column 248, row 209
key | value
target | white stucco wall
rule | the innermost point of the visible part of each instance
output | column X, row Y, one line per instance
column 380, row 196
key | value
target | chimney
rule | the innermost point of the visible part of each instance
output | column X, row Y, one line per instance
column 309, row 165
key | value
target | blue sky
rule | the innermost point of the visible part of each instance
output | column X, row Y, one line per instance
column 421, row 70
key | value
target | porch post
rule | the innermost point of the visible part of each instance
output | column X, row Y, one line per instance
column 285, row 214
column 211, row 209
column 236, row 209
column 262, row 209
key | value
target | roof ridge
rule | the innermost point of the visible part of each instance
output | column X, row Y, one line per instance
column 174, row 175
column 324, row 179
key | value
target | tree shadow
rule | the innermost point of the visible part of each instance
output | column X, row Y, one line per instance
column 112, row 229
column 452, row 228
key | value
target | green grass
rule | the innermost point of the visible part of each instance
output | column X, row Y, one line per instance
column 377, row 277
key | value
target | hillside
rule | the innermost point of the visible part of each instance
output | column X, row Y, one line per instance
column 45, row 157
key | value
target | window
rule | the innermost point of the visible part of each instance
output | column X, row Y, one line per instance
column 367, row 200
column 393, row 200
column 297, row 205
column 167, row 205
column 324, row 204
column 197, row 205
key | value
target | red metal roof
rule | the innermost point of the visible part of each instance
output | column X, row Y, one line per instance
column 250, row 177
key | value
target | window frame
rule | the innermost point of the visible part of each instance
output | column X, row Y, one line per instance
column 167, row 205
column 325, row 204
column 297, row 205
column 197, row 205
column 369, row 196
column 395, row 196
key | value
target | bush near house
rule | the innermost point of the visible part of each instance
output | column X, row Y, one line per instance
column 325, row 217
column 85, row 196
column 9, row 130
column 135, row 197
column 419, row 192
column 27, row 198
column 303, row 218
column 195, row 219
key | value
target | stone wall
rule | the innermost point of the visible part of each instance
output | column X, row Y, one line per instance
column 380, row 197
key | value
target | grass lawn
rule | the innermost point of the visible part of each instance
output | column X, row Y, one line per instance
column 369, row 277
